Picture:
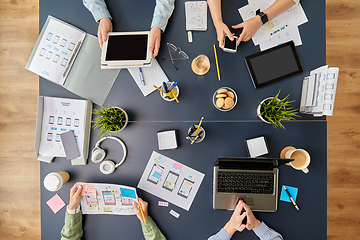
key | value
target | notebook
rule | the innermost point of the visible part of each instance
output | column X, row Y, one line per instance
column 255, row 180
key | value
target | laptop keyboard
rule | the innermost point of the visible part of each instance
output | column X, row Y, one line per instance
column 245, row 182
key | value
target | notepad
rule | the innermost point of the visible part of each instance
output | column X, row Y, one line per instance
column 167, row 140
column 56, row 203
column 196, row 15
column 293, row 192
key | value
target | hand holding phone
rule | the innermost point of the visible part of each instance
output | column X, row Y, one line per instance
column 230, row 46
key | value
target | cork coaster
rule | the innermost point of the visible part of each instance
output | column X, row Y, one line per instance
column 282, row 154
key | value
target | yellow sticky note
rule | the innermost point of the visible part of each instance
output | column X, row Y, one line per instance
column 93, row 206
column 107, row 209
column 115, row 191
column 269, row 25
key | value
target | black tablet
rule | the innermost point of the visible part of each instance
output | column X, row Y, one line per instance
column 274, row 64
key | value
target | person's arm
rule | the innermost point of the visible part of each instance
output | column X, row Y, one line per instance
column 72, row 229
column 101, row 15
column 162, row 13
column 252, row 25
column 260, row 228
column 266, row 233
column 233, row 225
column 150, row 230
column 220, row 26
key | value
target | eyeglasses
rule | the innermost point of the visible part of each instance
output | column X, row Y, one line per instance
column 178, row 50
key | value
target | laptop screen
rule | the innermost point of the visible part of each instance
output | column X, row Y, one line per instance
column 246, row 163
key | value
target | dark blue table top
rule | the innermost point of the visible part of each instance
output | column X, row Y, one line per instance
column 224, row 136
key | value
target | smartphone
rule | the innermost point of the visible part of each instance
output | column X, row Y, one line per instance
column 230, row 46
column 155, row 174
column 185, row 188
column 170, row 181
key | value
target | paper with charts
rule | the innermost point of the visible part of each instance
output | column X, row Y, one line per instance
column 171, row 180
column 61, row 115
column 101, row 198
column 285, row 21
column 56, row 51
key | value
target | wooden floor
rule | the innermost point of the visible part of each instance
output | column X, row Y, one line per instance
column 19, row 171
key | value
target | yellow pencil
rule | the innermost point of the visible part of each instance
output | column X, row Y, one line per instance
column 199, row 126
column 174, row 96
column 159, row 89
column 217, row 63
column 142, row 213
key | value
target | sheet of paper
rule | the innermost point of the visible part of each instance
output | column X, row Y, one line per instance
column 62, row 115
column 289, row 19
column 55, row 51
column 153, row 75
column 110, row 199
column 56, row 203
column 292, row 34
column 293, row 192
column 169, row 184
column 196, row 15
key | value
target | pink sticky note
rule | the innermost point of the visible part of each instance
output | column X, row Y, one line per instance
column 88, row 190
column 55, row 203
column 177, row 165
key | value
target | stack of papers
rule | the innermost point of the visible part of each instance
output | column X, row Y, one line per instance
column 318, row 91
column 280, row 29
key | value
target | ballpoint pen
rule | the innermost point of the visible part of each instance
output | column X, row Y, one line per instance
column 172, row 86
column 72, row 57
column 141, row 76
column 165, row 87
column 291, row 199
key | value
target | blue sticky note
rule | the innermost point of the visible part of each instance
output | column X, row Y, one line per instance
column 130, row 193
column 293, row 192
column 157, row 175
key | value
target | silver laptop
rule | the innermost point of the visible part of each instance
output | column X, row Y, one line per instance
column 255, row 180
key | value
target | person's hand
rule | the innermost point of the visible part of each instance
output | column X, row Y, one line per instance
column 249, row 28
column 252, row 222
column 221, row 31
column 75, row 197
column 235, row 222
column 105, row 26
column 144, row 206
column 155, row 38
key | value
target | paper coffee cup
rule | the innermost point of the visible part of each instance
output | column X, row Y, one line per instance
column 301, row 159
column 55, row 180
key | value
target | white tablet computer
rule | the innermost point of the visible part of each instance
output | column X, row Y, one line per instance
column 126, row 49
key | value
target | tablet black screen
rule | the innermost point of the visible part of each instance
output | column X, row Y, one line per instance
column 126, row 47
column 274, row 64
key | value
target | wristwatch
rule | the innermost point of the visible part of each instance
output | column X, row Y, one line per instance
column 263, row 16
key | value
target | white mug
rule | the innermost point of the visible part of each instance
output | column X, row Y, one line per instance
column 299, row 155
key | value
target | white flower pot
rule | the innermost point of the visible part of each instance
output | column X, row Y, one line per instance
column 126, row 119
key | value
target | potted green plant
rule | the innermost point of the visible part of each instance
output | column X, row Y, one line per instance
column 112, row 120
column 273, row 110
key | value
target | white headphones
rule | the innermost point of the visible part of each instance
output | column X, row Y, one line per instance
column 98, row 154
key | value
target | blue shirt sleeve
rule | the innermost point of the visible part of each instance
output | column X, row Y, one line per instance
column 162, row 13
column 266, row 233
column 221, row 235
column 97, row 8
